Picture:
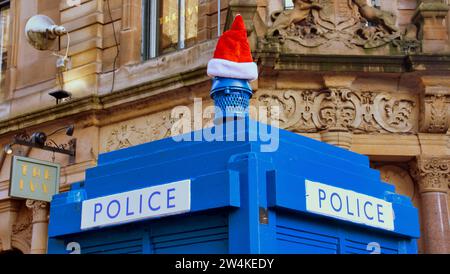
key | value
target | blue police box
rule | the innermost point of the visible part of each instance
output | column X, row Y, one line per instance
column 237, row 193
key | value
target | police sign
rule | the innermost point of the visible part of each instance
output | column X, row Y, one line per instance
column 34, row 179
column 152, row 202
column 348, row 205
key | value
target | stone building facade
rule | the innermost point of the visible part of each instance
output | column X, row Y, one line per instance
column 368, row 76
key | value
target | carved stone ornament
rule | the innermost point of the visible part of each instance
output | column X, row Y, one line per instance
column 435, row 113
column 39, row 210
column 326, row 23
column 132, row 133
column 432, row 174
column 340, row 109
column 22, row 228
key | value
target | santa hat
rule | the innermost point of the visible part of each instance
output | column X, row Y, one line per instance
column 233, row 57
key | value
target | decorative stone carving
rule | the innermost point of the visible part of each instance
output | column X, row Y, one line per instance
column 386, row 19
column 283, row 20
column 145, row 129
column 354, row 23
column 125, row 136
column 341, row 109
column 409, row 43
column 337, row 109
column 435, row 113
column 432, row 173
column 23, row 228
column 139, row 131
column 328, row 23
column 39, row 211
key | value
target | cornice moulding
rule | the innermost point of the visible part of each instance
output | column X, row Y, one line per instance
column 98, row 104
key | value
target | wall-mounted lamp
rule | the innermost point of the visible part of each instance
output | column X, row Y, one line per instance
column 8, row 149
column 40, row 140
column 60, row 95
column 41, row 32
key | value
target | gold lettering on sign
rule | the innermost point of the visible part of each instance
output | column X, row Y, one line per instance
column 32, row 186
column 36, row 172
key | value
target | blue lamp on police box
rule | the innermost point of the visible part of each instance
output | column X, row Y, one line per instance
column 232, row 68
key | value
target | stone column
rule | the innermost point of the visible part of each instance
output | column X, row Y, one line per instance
column 40, row 226
column 432, row 175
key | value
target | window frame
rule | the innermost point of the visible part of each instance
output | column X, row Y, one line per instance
column 150, row 47
column 4, row 86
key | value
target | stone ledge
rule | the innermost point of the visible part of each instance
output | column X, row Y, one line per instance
column 357, row 63
column 95, row 104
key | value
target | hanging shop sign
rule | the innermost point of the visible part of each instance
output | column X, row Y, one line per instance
column 152, row 202
column 34, row 179
column 349, row 206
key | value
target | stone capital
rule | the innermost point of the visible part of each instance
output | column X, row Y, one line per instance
column 435, row 109
column 432, row 173
column 39, row 209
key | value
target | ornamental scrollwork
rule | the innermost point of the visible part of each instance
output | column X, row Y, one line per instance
column 337, row 109
column 342, row 109
column 392, row 114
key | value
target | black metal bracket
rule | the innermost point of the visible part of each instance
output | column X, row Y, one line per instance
column 50, row 145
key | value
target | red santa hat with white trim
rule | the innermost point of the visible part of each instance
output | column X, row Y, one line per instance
column 233, row 57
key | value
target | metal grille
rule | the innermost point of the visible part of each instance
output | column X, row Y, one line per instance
column 232, row 101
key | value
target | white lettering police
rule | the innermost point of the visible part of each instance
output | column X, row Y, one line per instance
column 152, row 202
column 348, row 205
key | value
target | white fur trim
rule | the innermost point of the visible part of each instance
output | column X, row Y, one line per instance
column 228, row 69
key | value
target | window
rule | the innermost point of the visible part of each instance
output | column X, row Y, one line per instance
column 168, row 25
column 376, row 3
column 4, row 40
column 288, row 4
